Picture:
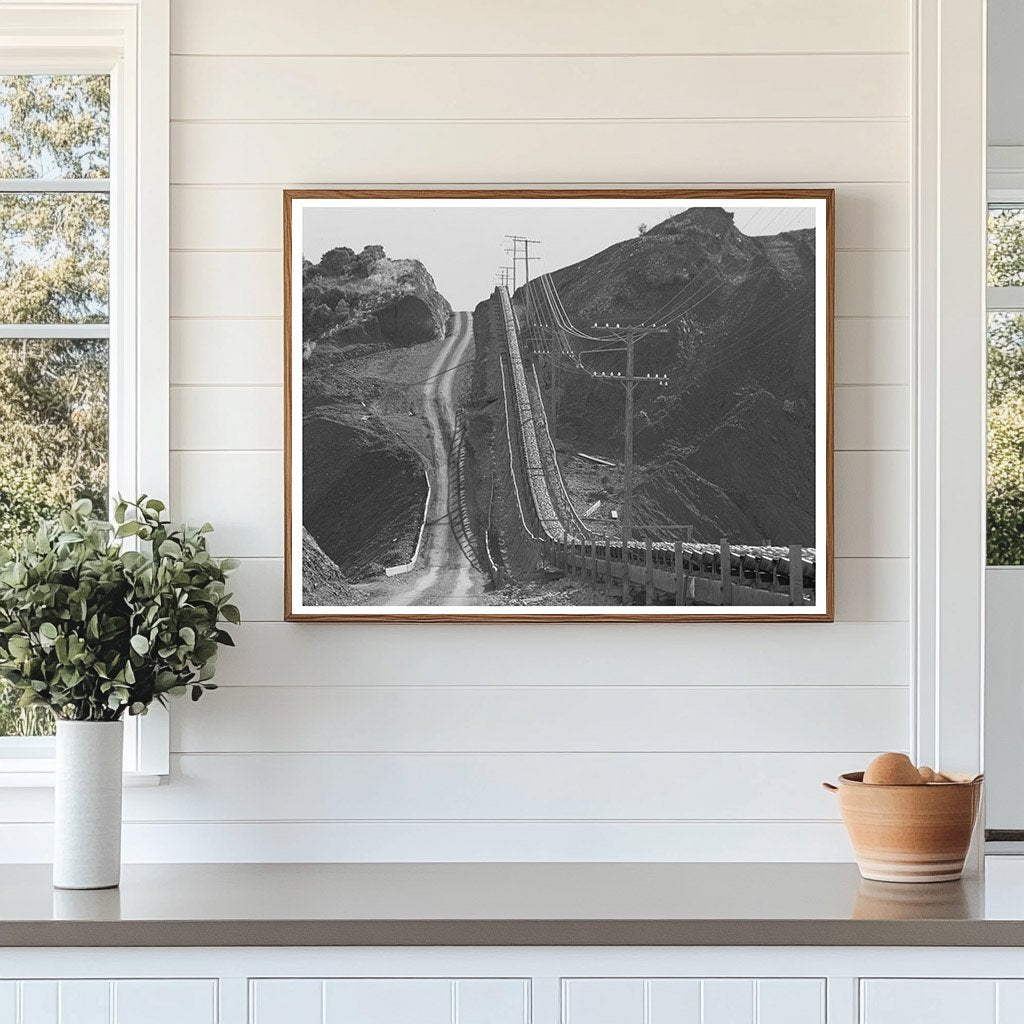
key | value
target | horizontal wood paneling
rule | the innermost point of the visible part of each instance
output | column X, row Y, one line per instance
column 872, row 350
column 867, row 589
column 872, row 589
column 538, row 88
column 581, row 719
column 577, row 26
column 235, row 284
column 242, row 493
column 568, row 151
column 232, row 284
column 582, row 654
column 873, row 283
column 778, row 95
column 235, row 418
column 872, row 498
column 706, row 786
column 868, row 216
column 227, row 352
column 412, row 787
column 872, row 418
column 162, row 842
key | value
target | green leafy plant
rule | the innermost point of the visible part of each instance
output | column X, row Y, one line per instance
column 91, row 629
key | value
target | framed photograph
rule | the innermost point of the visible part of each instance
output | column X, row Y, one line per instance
column 558, row 405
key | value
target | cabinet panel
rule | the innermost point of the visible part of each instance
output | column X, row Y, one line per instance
column 674, row 1000
column 286, row 1001
column 388, row 1001
column 1010, row 1002
column 790, row 1001
column 492, row 1002
column 8, row 1002
column 39, row 1002
column 727, row 1001
column 693, row 1001
column 102, row 1001
column 929, row 1001
column 165, row 1002
column 603, row 1001
column 84, row 1002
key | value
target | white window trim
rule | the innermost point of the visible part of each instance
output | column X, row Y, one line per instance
column 131, row 41
column 949, row 445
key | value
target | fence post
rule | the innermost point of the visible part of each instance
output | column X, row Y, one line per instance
column 625, row 568
column 725, row 556
column 609, row 579
column 649, row 571
column 796, row 574
column 682, row 590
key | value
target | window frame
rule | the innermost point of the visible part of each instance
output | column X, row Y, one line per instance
column 130, row 41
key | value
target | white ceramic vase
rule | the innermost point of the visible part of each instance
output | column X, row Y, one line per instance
column 87, row 808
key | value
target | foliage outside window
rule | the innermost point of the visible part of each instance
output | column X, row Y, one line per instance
column 54, row 309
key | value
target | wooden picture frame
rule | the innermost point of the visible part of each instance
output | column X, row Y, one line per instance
column 354, row 324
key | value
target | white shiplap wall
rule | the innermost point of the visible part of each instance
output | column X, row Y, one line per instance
column 691, row 741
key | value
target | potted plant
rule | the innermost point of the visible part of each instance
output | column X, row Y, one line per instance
column 99, row 620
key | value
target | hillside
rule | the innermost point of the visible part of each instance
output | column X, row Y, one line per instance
column 728, row 447
column 371, row 325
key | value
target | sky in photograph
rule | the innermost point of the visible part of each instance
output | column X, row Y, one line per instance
column 462, row 247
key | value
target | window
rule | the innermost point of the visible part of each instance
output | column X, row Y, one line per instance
column 84, row 125
column 54, row 309
column 1005, row 476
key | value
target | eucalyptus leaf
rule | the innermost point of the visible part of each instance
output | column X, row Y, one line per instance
column 93, row 631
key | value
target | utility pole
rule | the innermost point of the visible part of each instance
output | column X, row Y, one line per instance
column 516, row 241
column 512, row 250
column 632, row 335
column 503, row 274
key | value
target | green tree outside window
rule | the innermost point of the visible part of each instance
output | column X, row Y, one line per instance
column 54, row 270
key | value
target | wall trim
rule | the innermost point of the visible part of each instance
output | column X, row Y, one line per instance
column 949, row 456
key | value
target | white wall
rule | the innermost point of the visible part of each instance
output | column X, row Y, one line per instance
column 691, row 741
column 1005, row 80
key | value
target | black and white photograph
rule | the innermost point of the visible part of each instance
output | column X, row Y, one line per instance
column 559, row 405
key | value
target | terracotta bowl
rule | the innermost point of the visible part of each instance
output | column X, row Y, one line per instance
column 909, row 833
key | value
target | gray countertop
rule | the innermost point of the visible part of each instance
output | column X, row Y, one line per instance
column 504, row 904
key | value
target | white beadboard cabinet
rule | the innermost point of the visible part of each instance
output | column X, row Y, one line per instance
column 693, row 1001
column 513, row 985
column 107, row 1001
column 942, row 1001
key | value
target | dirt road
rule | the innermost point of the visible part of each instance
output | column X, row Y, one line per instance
column 443, row 574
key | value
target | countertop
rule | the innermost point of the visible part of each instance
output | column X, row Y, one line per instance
column 511, row 904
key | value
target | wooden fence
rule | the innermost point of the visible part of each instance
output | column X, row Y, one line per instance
column 659, row 569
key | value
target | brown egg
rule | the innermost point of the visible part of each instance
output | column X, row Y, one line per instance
column 893, row 770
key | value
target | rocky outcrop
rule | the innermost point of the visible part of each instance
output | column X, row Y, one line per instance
column 355, row 300
column 728, row 446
